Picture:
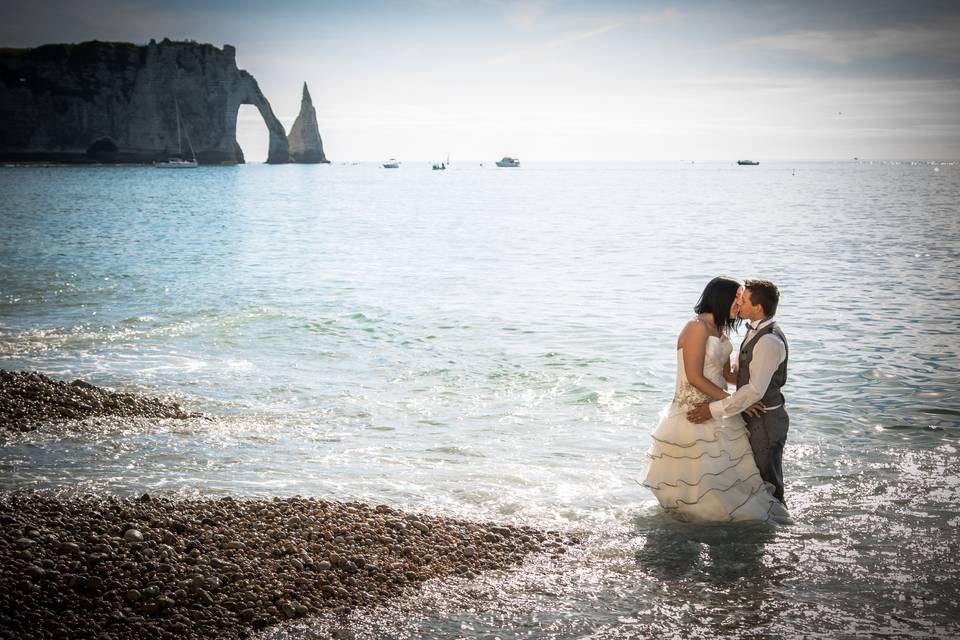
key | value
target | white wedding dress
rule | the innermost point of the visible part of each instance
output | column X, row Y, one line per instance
column 706, row 472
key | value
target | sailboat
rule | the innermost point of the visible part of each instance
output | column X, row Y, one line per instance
column 178, row 162
column 443, row 165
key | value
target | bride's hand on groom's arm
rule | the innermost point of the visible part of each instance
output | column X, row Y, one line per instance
column 730, row 376
column 730, row 373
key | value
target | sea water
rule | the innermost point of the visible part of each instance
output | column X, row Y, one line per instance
column 497, row 344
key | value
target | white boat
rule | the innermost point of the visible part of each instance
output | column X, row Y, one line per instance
column 176, row 163
column 179, row 162
column 508, row 162
column 392, row 163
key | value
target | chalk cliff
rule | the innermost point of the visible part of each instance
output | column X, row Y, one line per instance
column 304, row 139
column 117, row 102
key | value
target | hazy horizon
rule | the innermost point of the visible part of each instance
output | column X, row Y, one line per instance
column 570, row 81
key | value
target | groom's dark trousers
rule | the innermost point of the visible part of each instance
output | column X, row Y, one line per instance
column 768, row 435
column 768, row 431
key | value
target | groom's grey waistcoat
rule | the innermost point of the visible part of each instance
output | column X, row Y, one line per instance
column 775, row 421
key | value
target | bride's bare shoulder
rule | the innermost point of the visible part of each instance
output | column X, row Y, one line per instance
column 693, row 331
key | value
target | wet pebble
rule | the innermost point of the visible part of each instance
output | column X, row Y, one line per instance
column 132, row 535
column 222, row 568
column 28, row 400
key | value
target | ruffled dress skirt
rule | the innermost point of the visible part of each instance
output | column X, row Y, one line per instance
column 706, row 472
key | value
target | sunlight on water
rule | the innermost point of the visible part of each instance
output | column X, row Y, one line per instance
column 498, row 345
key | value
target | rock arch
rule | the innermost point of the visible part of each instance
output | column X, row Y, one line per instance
column 119, row 102
column 247, row 91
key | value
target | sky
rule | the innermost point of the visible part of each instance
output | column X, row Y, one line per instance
column 569, row 80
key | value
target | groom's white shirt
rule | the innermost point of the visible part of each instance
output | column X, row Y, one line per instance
column 768, row 353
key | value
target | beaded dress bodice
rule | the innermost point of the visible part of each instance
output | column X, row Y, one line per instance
column 715, row 358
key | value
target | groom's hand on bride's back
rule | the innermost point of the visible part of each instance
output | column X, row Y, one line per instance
column 699, row 414
column 756, row 409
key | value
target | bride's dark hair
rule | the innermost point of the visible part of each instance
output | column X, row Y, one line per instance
column 716, row 299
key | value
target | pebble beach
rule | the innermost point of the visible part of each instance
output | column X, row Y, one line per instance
column 111, row 567
column 29, row 400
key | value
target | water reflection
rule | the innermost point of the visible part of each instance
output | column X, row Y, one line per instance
column 718, row 554
column 721, row 579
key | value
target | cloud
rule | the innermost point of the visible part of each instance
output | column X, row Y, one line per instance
column 573, row 37
column 556, row 43
column 938, row 41
column 525, row 14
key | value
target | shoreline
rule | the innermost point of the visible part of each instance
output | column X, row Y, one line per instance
column 111, row 567
column 29, row 400
column 108, row 566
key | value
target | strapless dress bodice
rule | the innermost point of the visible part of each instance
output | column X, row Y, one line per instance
column 715, row 358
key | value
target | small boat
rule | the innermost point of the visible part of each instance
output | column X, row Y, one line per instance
column 747, row 163
column 176, row 163
column 508, row 162
column 392, row 163
column 179, row 162
column 442, row 166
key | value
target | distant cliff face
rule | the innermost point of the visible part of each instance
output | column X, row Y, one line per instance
column 118, row 102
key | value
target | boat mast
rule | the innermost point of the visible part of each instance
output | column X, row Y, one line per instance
column 193, row 156
column 176, row 104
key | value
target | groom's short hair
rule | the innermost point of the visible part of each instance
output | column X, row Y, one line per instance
column 764, row 293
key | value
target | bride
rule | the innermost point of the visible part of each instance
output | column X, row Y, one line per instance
column 706, row 472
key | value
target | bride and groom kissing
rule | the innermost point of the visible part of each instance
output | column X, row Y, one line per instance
column 717, row 456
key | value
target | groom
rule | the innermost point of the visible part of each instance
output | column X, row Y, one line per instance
column 761, row 372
